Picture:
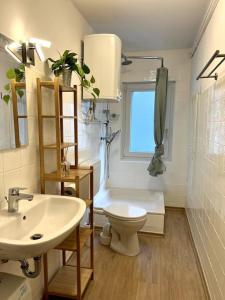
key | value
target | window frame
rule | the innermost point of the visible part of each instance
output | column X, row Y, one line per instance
column 128, row 89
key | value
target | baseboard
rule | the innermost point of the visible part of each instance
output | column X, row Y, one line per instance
column 198, row 262
column 152, row 234
column 175, row 209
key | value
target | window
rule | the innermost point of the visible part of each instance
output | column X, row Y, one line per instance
column 138, row 120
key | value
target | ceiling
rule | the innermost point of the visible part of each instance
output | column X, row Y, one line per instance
column 146, row 24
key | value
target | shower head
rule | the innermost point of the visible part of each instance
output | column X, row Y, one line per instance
column 126, row 61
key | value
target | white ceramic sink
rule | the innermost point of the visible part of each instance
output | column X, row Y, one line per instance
column 54, row 217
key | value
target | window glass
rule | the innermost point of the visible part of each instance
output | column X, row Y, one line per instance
column 138, row 121
column 142, row 121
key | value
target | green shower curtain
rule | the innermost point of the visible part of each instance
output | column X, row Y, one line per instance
column 156, row 166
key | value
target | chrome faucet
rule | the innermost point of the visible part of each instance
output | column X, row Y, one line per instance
column 14, row 196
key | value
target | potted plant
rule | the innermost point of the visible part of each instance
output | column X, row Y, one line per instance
column 68, row 63
column 19, row 75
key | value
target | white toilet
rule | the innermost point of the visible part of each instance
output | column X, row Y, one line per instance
column 125, row 221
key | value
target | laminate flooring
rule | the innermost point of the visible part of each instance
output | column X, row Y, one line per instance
column 166, row 268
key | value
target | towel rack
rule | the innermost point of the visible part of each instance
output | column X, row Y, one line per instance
column 211, row 75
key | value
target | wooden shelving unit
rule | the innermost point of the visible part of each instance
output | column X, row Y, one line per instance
column 69, row 281
column 63, row 283
column 59, row 117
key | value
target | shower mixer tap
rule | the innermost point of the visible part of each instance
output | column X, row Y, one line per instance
column 110, row 137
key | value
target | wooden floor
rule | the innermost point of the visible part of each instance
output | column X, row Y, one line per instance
column 166, row 268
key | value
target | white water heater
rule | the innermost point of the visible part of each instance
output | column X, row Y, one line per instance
column 102, row 53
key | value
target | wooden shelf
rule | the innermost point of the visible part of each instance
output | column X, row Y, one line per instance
column 22, row 117
column 75, row 174
column 20, row 85
column 68, row 117
column 48, row 117
column 61, row 117
column 64, row 284
column 62, row 88
column 62, row 146
column 70, row 244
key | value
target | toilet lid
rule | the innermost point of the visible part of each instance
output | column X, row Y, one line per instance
column 125, row 211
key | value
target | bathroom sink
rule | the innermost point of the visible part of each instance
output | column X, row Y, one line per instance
column 39, row 225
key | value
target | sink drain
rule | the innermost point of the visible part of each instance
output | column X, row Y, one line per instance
column 36, row 236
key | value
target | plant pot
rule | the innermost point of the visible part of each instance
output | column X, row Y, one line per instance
column 66, row 77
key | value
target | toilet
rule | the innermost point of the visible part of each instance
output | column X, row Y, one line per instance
column 120, row 233
column 124, row 219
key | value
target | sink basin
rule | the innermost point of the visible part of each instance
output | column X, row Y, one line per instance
column 50, row 218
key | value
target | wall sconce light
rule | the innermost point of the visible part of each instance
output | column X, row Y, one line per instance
column 24, row 53
column 12, row 49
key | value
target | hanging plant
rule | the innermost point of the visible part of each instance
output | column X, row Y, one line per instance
column 67, row 64
column 19, row 75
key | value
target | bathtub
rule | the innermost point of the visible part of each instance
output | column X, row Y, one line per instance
column 152, row 201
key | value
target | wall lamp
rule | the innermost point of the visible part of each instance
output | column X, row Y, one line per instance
column 25, row 52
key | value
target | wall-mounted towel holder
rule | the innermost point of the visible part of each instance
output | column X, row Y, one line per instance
column 212, row 74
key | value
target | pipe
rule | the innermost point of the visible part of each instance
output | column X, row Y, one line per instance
column 25, row 267
column 148, row 57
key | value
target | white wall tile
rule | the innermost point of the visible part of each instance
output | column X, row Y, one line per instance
column 12, row 179
column 206, row 197
column 12, row 160
column 129, row 173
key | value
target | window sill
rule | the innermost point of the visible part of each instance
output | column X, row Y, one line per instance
column 136, row 158
column 132, row 158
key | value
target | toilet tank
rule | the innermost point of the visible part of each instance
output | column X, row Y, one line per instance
column 102, row 53
column 84, row 184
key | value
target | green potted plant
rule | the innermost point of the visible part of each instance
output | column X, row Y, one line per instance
column 19, row 75
column 68, row 63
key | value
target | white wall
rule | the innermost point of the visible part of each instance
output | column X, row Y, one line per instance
column 206, row 181
column 59, row 22
column 133, row 174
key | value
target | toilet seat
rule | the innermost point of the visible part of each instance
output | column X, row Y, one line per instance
column 124, row 211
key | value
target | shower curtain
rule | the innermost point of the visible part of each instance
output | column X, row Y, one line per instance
column 156, row 166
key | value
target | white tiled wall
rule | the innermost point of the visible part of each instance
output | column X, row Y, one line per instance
column 206, row 180
column 134, row 174
column 206, row 201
